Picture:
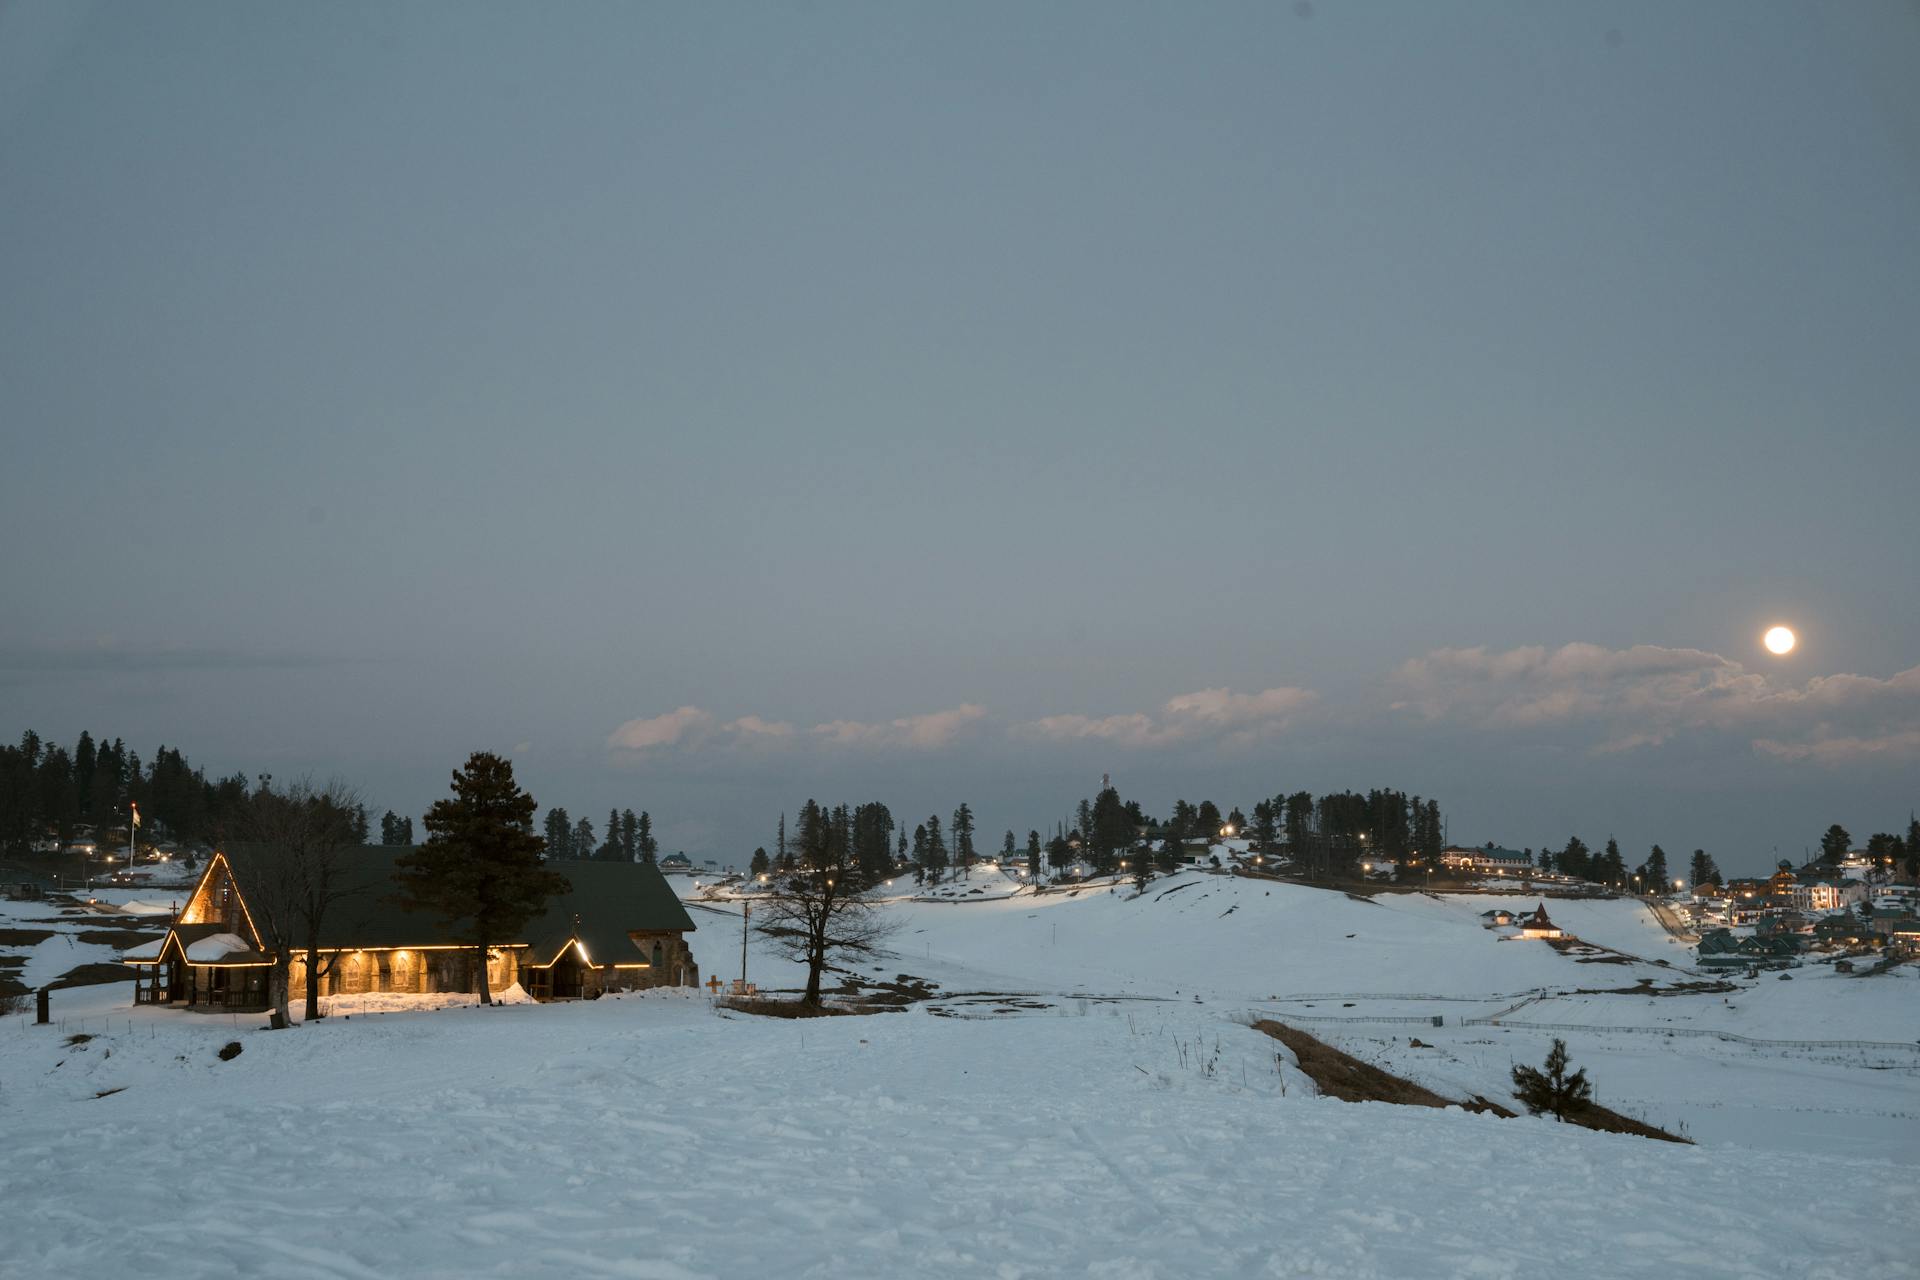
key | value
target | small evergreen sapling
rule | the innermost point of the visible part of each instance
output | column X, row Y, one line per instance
column 1553, row 1090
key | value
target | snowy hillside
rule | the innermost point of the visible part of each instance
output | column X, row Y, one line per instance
column 1079, row 1094
column 1236, row 938
column 1241, row 945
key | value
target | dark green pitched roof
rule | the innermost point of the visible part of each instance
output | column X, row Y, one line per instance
column 365, row 914
column 611, row 899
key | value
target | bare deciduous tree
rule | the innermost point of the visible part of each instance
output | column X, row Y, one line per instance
column 823, row 906
column 297, row 870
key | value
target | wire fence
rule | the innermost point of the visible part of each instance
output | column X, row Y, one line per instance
column 1909, row 1046
column 1499, row 1020
column 1430, row 1020
column 1401, row 995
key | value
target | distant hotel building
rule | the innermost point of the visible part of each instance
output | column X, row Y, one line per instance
column 1488, row 860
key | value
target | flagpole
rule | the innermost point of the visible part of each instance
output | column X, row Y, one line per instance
column 133, row 850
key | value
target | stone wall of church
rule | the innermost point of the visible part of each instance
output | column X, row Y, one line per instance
column 669, row 962
column 405, row 970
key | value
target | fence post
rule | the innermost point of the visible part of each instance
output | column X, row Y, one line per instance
column 42, row 1007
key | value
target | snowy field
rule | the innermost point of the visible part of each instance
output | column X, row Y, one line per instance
column 1231, row 938
column 1082, row 1097
column 1244, row 946
column 652, row 1137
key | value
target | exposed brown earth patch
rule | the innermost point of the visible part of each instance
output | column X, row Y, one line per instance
column 770, row 1007
column 1341, row 1075
column 121, row 938
column 88, row 975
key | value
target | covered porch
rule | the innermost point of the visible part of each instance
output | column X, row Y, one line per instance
column 200, row 967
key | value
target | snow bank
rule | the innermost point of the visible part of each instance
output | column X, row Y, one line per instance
column 59, row 955
column 216, row 946
column 410, row 1002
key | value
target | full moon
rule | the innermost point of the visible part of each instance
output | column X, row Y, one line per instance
column 1779, row 640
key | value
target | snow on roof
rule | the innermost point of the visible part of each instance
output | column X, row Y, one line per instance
column 138, row 908
column 216, row 947
column 145, row 951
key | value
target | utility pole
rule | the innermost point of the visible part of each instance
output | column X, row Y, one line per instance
column 746, row 913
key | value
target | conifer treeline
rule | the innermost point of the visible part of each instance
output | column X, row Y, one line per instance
column 861, row 834
column 48, row 791
column 629, row 837
column 1107, row 832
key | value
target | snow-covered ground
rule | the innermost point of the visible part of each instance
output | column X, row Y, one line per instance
column 53, row 957
column 1118, row 1120
column 649, row 1136
column 1235, row 938
column 1249, row 946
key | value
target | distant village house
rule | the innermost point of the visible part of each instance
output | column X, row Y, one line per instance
column 1538, row 926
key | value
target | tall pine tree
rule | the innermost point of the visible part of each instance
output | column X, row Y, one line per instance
column 936, row 851
column 1610, row 867
column 963, row 854
column 1656, row 877
column 559, row 832
column 480, row 870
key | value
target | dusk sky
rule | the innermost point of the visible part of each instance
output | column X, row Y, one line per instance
column 717, row 406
